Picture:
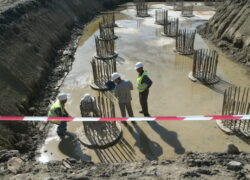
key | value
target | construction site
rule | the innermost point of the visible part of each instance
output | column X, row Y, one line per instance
column 194, row 53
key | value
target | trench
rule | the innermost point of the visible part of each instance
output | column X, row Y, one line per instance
column 140, row 39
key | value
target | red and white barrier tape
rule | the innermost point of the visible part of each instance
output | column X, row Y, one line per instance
column 165, row 118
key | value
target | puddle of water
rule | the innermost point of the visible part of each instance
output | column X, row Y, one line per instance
column 171, row 94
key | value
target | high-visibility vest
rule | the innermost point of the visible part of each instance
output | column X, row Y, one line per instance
column 52, row 110
column 141, row 87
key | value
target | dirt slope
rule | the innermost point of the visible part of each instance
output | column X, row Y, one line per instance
column 189, row 166
column 30, row 35
column 230, row 30
column 32, row 32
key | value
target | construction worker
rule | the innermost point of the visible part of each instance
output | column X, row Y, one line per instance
column 88, row 105
column 122, row 92
column 143, row 85
column 58, row 110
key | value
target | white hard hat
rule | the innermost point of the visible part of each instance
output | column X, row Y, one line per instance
column 87, row 97
column 115, row 76
column 138, row 65
column 62, row 96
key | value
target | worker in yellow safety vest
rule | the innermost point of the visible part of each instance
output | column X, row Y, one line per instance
column 58, row 110
column 143, row 85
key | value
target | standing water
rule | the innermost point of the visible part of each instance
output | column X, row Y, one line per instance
column 172, row 93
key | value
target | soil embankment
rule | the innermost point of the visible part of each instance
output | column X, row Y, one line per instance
column 229, row 29
column 32, row 36
column 189, row 166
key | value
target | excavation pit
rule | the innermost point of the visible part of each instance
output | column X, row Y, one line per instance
column 140, row 39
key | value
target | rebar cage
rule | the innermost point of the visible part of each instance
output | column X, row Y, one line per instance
column 107, row 31
column 178, row 5
column 187, row 11
column 209, row 2
column 139, row 1
column 171, row 27
column 142, row 10
column 170, row 2
column 205, row 66
column 102, row 71
column 103, row 134
column 109, row 19
column 105, row 48
column 185, row 41
column 237, row 102
column 160, row 16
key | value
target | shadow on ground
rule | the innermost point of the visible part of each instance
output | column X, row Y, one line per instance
column 170, row 137
column 71, row 147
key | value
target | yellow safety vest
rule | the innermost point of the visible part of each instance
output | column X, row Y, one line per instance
column 52, row 110
column 141, row 87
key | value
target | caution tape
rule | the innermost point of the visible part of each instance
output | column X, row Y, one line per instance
column 163, row 118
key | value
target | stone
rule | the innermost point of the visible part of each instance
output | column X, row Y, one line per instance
column 234, row 165
column 22, row 177
column 232, row 149
column 82, row 176
column 66, row 165
column 32, row 110
column 5, row 155
column 15, row 164
column 154, row 163
column 72, row 160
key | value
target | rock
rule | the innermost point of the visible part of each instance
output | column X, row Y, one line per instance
column 5, row 155
column 82, row 176
column 23, row 177
column 222, row 44
column 66, row 165
column 234, row 165
column 14, row 164
column 32, row 110
column 154, row 163
column 232, row 149
column 71, row 160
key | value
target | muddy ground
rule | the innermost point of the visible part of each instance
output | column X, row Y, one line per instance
column 189, row 166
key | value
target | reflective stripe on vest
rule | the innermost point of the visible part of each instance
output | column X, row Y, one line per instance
column 141, row 87
column 52, row 110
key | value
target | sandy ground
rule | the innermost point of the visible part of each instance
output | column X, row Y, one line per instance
column 172, row 93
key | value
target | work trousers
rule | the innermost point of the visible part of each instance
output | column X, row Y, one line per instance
column 124, row 106
column 144, row 102
column 61, row 129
